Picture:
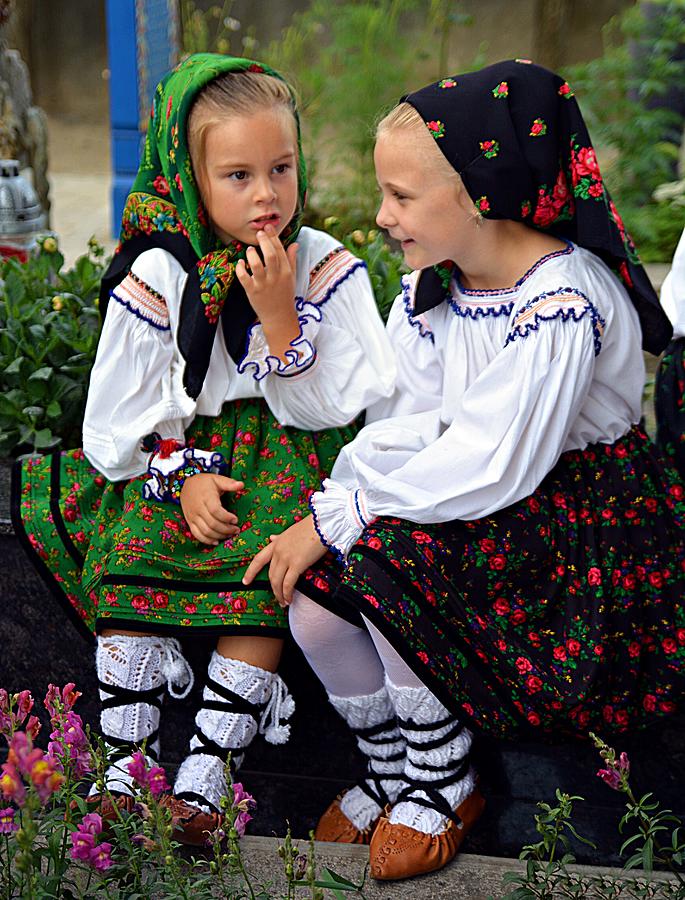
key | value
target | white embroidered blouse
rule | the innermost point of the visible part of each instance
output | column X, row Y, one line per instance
column 343, row 363
column 492, row 387
column 673, row 290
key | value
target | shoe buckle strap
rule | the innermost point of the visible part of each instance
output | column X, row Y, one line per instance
column 210, row 747
column 435, row 801
column 436, row 742
column 123, row 748
column 373, row 731
column 432, row 784
column 121, row 696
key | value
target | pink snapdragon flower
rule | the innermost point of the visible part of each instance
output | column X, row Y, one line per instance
column 11, row 720
column 85, row 846
column 616, row 773
column 34, row 765
column 7, row 823
column 69, row 744
column 82, row 844
column 101, row 857
column 156, row 779
column 60, row 701
column 153, row 778
column 243, row 802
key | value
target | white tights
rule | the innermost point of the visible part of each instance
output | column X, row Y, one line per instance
column 349, row 660
column 368, row 684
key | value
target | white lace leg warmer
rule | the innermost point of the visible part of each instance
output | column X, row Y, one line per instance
column 372, row 719
column 239, row 701
column 133, row 673
column 437, row 752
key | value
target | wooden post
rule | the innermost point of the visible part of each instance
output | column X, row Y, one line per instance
column 143, row 38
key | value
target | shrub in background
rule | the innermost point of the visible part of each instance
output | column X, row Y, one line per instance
column 49, row 324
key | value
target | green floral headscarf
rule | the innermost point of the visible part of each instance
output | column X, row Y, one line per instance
column 164, row 209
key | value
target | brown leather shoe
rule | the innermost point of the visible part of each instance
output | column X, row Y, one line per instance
column 398, row 851
column 192, row 826
column 334, row 826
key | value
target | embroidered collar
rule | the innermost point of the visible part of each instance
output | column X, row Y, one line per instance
column 430, row 291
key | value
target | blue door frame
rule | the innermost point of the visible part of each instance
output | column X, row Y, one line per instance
column 143, row 42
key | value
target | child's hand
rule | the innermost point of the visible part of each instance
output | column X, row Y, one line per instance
column 200, row 500
column 271, row 289
column 290, row 553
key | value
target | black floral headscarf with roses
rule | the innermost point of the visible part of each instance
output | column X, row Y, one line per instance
column 514, row 133
column 164, row 209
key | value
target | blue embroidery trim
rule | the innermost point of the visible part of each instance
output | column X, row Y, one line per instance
column 358, row 508
column 275, row 364
column 424, row 332
column 309, row 311
column 136, row 312
column 358, row 264
column 477, row 312
column 303, row 368
column 569, row 248
column 564, row 314
column 322, row 537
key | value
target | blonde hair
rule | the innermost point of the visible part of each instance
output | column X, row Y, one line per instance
column 405, row 117
column 234, row 94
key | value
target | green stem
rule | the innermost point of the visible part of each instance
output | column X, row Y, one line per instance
column 10, row 880
column 644, row 823
column 241, row 866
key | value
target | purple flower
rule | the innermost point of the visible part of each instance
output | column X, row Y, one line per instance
column 69, row 743
column 612, row 777
column 83, row 844
column 11, row 785
column 624, row 763
column 7, row 823
column 101, row 856
column 60, row 701
column 137, row 769
column 242, row 801
column 156, row 779
column 72, row 730
column 91, row 824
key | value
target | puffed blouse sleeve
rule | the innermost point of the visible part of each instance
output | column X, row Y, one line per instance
column 673, row 290
column 506, row 431
column 131, row 393
column 342, row 360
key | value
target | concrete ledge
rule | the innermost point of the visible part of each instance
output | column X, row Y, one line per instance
column 470, row 876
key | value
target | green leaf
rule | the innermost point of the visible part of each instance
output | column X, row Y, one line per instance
column 14, row 368
column 33, row 411
column 43, row 374
column 338, row 879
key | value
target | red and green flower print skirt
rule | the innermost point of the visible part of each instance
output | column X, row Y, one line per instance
column 120, row 561
column 561, row 614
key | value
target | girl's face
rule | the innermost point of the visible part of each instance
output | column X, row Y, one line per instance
column 423, row 204
column 249, row 176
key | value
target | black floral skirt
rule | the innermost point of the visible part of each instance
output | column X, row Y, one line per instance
column 561, row 614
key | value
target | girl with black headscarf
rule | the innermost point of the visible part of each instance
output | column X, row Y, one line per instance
column 509, row 542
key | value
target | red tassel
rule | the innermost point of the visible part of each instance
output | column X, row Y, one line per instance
column 165, row 447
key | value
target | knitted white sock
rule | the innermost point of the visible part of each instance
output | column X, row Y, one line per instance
column 384, row 750
column 418, row 706
column 201, row 776
column 136, row 664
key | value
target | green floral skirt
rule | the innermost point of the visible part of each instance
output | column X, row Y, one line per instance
column 120, row 561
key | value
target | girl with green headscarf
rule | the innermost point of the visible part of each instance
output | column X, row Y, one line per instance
column 231, row 363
